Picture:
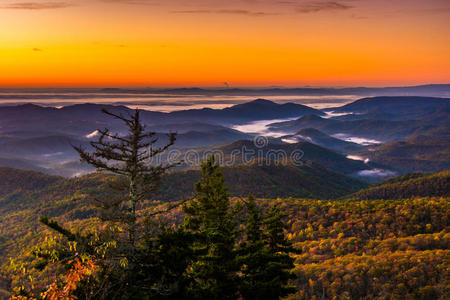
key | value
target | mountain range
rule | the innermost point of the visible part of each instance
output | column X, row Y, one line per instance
column 384, row 119
column 402, row 134
column 421, row 90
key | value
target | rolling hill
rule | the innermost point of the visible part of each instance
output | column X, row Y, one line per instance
column 409, row 186
column 380, row 130
column 376, row 246
column 423, row 153
column 266, row 179
column 321, row 139
column 19, row 181
column 27, row 195
column 305, row 152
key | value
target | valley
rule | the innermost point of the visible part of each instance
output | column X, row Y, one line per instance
column 363, row 187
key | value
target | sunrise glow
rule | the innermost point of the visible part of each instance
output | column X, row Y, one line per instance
column 207, row 43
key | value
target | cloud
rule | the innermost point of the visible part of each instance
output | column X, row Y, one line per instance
column 318, row 6
column 134, row 2
column 193, row 11
column 243, row 12
column 358, row 17
column 376, row 173
column 433, row 11
column 36, row 5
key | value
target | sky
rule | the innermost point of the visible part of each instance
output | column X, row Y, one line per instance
column 159, row 43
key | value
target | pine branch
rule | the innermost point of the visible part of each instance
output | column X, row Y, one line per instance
column 98, row 163
column 168, row 209
column 55, row 226
column 105, row 132
column 119, row 116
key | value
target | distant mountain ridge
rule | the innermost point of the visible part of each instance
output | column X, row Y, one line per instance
column 395, row 108
column 40, row 138
column 381, row 130
column 384, row 119
column 425, row 89
column 82, row 119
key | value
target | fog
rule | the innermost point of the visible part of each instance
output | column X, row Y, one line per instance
column 376, row 173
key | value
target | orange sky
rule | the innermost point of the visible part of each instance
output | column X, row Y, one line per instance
column 206, row 42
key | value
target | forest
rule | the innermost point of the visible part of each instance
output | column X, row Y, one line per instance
column 103, row 237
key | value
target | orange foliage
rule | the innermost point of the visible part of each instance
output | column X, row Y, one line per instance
column 76, row 274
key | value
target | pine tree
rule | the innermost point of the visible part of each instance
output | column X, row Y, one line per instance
column 162, row 262
column 253, row 255
column 127, row 156
column 210, row 218
column 264, row 264
column 280, row 262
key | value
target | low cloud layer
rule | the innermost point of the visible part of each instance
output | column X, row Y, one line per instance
column 36, row 5
column 134, row 2
column 376, row 173
column 297, row 6
column 224, row 11
column 318, row 6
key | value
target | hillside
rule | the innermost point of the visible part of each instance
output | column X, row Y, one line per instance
column 364, row 249
column 352, row 249
column 397, row 108
column 46, row 146
column 376, row 129
column 209, row 138
column 263, row 178
column 24, row 195
column 266, row 179
column 408, row 186
column 20, row 164
column 20, row 181
column 423, row 153
column 324, row 140
column 243, row 151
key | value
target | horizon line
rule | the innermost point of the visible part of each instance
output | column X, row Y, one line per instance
column 209, row 87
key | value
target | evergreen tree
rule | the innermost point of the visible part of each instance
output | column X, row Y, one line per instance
column 210, row 218
column 280, row 263
column 253, row 255
column 265, row 265
column 127, row 156
column 163, row 264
